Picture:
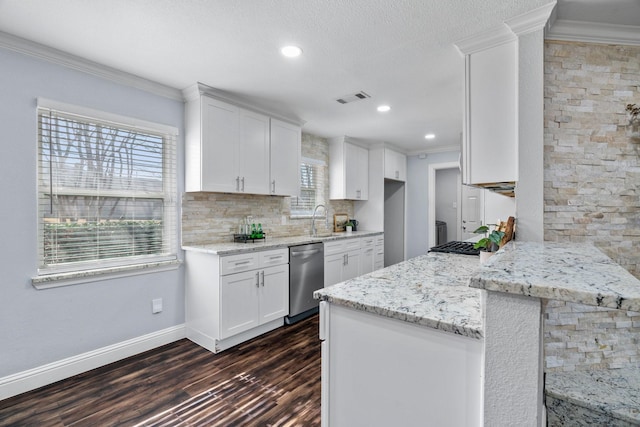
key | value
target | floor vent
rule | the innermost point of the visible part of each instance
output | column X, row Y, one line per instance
column 353, row 97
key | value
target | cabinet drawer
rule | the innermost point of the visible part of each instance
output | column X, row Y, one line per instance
column 351, row 244
column 367, row 242
column 237, row 263
column 335, row 247
column 380, row 240
column 274, row 257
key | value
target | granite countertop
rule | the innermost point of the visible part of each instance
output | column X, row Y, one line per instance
column 231, row 248
column 570, row 272
column 429, row 290
column 605, row 393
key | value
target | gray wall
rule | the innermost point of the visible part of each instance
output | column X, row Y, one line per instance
column 39, row 327
column 418, row 201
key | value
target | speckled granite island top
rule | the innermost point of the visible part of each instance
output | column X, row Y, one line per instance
column 603, row 397
column 231, row 248
column 430, row 290
column 562, row 271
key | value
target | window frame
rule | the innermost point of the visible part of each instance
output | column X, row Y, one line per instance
column 89, row 270
column 319, row 187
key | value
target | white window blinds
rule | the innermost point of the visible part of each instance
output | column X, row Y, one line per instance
column 106, row 191
column 312, row 176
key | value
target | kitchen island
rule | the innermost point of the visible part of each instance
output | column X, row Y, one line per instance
column 403, row 345
column 441, row 340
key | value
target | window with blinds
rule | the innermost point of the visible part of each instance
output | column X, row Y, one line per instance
column 312, row 174
column 106, row 190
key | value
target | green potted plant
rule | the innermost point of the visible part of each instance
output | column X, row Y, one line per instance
column 348, row 226
column 490, row 242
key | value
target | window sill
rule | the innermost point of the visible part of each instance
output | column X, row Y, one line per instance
column 56, row 280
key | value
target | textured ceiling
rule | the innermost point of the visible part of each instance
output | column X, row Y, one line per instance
column 400, row 52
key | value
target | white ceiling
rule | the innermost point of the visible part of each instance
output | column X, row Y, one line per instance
column 400, row 52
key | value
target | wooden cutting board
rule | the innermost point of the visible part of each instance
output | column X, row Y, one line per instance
column 508, row 228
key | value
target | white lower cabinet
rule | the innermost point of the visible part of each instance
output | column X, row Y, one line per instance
column 380, row 371
column 346, row 259
column 341, row 260
column 230, row 299
column 378, row 261
column 367, row 254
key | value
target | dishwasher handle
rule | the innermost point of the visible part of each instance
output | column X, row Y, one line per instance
column 304, row 253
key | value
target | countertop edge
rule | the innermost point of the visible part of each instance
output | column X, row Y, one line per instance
column 469, row 332
column 273, row 243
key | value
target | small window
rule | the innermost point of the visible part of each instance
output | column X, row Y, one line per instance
column 106, row 190
column 312, row 177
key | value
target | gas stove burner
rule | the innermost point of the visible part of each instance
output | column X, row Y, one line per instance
column 464, row 248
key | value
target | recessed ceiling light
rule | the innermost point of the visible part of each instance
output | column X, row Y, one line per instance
column 291, row 51
column 429, row 136
column 383, row 108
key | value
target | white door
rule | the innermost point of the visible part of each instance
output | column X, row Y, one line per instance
column 254, row 153
column 274, row 293
column 285, row 158
column 367, row 260
column 219, row 146
column 239, row 303
column 351, row 269
column 333, row 265
column 471, row 210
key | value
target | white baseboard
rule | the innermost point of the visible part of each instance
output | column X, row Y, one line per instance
column 31, row 379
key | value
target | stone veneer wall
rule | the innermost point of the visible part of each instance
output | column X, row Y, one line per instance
column 214, row 217
column 591, row 193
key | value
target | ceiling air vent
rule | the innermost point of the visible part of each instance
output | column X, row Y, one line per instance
column 353, row 97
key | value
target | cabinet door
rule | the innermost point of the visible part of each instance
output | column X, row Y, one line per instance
column 253, row 153
column 351, row 268
column 491, row 136
column 219, row 123
column 285, row 158
column 333, row 266
column 395, row 165
column 239, row 303
column 274, row 293
column 356, row 172
column 367, row 259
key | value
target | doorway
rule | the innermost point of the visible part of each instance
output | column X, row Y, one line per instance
column 431, row 212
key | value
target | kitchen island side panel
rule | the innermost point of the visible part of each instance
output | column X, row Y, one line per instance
column 379, row 371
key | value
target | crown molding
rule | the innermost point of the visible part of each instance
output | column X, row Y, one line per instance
column 198, row 89
column 531, row 21
column 510, row 30
column 485, row 40
column 594, row 32
column 37, row 50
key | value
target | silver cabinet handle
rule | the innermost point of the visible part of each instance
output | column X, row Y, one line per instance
column 257, row 280
column 237, row 183
column 397, row 174
column 274, row 186
column 262, row 274
column 242, row 183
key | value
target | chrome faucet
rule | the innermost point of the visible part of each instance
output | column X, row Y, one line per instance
column 314, row 232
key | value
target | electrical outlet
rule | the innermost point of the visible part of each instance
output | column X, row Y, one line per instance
column 156, row 305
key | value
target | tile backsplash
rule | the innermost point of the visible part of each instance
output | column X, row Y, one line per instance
column 214, row 217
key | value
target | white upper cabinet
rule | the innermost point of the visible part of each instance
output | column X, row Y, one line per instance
column 490, row 137
column 253, row 153
column 395, row 165
column 233, row 149
column 285, row 158
column 348, row 170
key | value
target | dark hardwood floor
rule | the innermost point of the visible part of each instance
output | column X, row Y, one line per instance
column 272, row 380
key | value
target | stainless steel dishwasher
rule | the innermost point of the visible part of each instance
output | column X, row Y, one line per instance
column 306, row 274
